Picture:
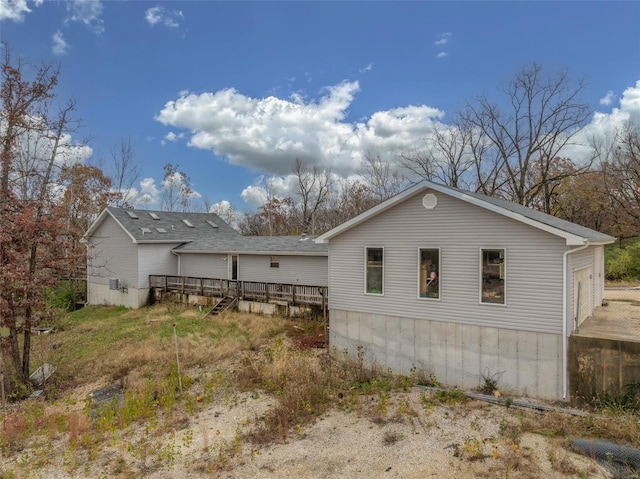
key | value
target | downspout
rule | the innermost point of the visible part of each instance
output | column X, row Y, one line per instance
column 173, row 251
column 565, row 341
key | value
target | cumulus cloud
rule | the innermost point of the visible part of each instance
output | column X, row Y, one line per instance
column 60, row 46
column 15, row 9
column 269, row 134
column 171, row 136
column 443, row 39
column 603, row 126
column 608, row 98
column 159, row 15
column 86, row 12
column 148, row 194
column 441, row 55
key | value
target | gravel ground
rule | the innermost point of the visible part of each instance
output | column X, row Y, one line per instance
column 413, row 439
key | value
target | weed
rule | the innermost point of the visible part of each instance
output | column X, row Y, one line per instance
column 391, row 437
column 489, row 383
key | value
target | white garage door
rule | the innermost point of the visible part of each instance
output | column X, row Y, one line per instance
column 582, row 293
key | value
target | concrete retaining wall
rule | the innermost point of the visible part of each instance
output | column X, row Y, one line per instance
column 601, row 366
column 99, row 294
column 243, row 306
column 526, row 363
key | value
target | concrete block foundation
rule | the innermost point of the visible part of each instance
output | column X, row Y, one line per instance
column 525, row 363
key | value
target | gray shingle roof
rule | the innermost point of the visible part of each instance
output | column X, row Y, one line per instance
column 256, row 244
column 147, row 226
column 171, row 227
column 541, row 217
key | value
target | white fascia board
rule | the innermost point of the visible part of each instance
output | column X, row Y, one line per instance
column 96, row 224
column 261, row 253
column 176, row 242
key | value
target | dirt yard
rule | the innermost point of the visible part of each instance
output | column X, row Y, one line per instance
column 407, row 435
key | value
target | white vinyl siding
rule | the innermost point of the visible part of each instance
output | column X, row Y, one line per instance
column 156, row 259
column 112, row 254
column 306, row 270
column 577, row 261
column 534, row 269
column 204, row 265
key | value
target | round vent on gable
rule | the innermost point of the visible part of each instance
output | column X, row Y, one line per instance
column 429, row 201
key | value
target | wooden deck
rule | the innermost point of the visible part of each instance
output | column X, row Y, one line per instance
column 248, row 290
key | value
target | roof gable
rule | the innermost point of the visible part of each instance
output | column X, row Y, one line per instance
column 572, row 233
column 146, row 226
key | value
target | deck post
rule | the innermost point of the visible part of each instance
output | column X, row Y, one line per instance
column 293, row 294
column 165, row 283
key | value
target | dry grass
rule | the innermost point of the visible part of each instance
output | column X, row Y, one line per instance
column 224, row 356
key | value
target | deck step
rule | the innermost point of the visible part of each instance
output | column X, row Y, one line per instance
column 225, row 303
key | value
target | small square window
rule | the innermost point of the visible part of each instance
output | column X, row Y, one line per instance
column 275, row 261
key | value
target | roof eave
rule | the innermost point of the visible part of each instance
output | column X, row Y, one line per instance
column 261, row 253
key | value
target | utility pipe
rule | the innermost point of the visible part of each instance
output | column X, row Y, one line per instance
column 565, row 342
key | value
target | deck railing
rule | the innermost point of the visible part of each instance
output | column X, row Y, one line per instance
column 252, row 290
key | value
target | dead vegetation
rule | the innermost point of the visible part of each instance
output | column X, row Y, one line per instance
column 249, row 383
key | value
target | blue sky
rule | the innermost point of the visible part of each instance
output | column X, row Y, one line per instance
column 233, row 92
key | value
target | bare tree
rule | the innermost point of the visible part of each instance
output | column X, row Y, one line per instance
column 382, row 181
column 176, row 189
column 623, row 174
column 447, row 155
column 540, row 117
column 125, row 172
column 314, row 186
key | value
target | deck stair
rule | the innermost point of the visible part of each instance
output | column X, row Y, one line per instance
column 225, row 303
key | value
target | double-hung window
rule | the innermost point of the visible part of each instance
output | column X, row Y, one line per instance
column 374, row 270
column 493, row 267
column 429, row 273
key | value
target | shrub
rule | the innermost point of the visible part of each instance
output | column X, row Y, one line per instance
column 623, row 263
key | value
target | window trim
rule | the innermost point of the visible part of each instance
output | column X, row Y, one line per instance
column 504, row 279
column 274, row 263
column 366, row 248
column 421, row 298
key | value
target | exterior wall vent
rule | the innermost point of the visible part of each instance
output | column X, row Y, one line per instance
column 114, row 284
column 430, row 201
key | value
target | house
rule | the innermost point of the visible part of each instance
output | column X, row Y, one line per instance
column 465, row 286
column 125, row 246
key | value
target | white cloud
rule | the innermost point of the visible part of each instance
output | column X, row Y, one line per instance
column 171, row 136
column 60, row 46
column 443, row 39
column 269, row 134
column 441, row 55
column 608, row 98
column 15, row 9
column 86, row 12
column 368, row 68
column 148, row 194
column 603, row 126
column 159, row 15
